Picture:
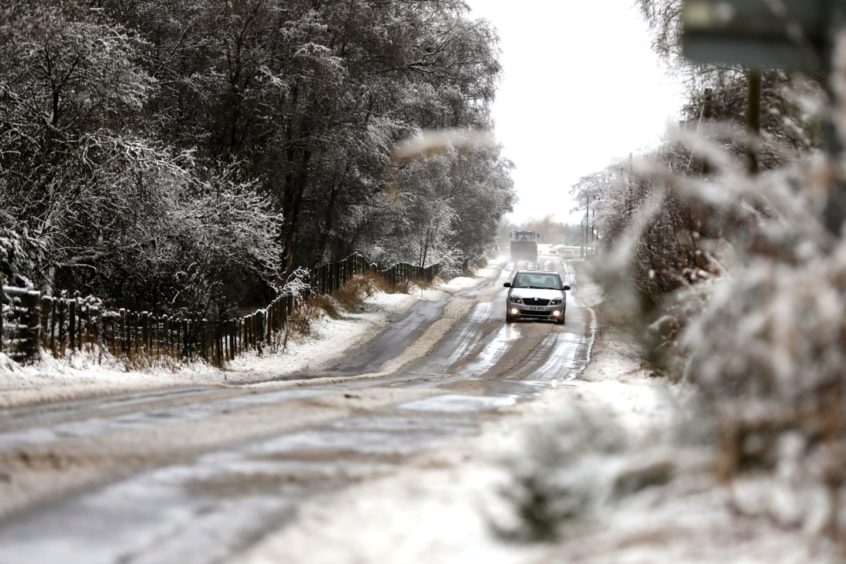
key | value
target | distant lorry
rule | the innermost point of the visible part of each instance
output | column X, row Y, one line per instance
column 524, row 245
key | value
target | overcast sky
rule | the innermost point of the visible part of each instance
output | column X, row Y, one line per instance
column 580, row 90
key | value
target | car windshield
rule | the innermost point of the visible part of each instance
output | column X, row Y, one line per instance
column 543, row 281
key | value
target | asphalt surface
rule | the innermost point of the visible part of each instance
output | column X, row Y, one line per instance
column 199, row 474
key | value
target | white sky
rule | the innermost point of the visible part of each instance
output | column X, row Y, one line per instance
column 580, row 90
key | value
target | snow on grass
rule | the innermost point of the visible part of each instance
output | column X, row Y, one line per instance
column 587, row 292
column 459, row 284
column 441, row 289
column 86, row 373
column 328, row 339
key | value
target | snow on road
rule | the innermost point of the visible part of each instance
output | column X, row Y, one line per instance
column 607, row 444
column 609, row 438
column 443, row 508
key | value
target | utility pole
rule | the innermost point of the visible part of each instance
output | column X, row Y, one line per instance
column 788, row 34
column 753, row 118
column 582, row 238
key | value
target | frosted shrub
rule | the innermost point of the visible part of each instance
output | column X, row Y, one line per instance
column 734, row 284
column 770, row 352
column 560, row 478
column 574, row 468
column 227, row 235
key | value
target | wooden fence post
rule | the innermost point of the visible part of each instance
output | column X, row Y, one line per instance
column 157, row 337
column 59, row 320
column 186, row 339
column 31, row 326
column 337, row 277
column 124, row 333
column 135, row 325
column 84, row 326
column 72, row 325
column 260, row 329
column 147, row 337
column 231, row 336
column 206, row 340
column 53, row 320
column 166, row 336
column 46, row 302
column 96, row 333
column 108, row 332
column 224, row 340
column 217, row 356
column 176, row 337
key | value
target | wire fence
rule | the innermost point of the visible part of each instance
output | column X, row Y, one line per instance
column 31, row 322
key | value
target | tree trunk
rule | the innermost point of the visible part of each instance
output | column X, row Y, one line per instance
column 425, row 248
column 294, row 195
column 329, row 218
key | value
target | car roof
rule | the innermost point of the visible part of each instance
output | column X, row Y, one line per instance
column 537, row 272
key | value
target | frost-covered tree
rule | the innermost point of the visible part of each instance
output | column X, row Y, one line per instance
column 313, row 96
column 444, row 208
column 101, row 205
column 120, row 118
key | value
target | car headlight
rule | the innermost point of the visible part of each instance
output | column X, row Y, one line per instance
column 516, row 300
column 556, row 301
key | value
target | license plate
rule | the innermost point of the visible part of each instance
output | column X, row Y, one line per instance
column 535, row 308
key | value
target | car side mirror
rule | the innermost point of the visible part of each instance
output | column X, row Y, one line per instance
column 566, row 288
column 507, row 285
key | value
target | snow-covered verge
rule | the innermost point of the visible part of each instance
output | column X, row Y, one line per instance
column 328, row 337
column 81, row 373
column 86, row 374
column 615, row 468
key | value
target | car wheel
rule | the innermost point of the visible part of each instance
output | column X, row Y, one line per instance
column 509, row 319
column 560, row 321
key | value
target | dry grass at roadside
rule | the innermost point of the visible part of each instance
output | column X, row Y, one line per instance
column 349, row 298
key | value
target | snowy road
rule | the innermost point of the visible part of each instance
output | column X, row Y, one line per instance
column 198, row 475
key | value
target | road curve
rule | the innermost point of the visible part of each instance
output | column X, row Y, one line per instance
column 197, row 475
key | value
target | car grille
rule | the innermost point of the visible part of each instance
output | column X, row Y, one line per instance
column 527, row 313
column 535, row 301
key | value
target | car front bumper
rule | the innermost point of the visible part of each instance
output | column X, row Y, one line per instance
column 536, row 312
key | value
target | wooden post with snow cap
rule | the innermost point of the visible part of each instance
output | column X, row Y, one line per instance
column 46, row 303
column 53, row 321
column 72, row 325
column 788, row 34
column 233, row 350
column 217, row 352
column 260, row 330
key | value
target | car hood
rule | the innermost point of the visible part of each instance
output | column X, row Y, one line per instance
column 535, row 293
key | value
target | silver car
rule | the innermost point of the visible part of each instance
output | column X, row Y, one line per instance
column 536, row 294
